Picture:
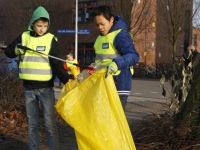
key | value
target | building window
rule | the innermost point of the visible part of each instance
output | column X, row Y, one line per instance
column 86, row 54
column 85, row 10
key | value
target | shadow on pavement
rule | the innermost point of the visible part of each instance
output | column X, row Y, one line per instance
column 67, row 137
column 7, row 143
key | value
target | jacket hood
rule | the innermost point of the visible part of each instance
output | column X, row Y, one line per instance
column 119, row 23
column 38, row 13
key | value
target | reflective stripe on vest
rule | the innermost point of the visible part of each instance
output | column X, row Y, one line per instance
column 104, row 48
column 106, row 56
column 35, row 66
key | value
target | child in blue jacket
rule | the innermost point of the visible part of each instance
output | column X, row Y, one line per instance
column 114, row 46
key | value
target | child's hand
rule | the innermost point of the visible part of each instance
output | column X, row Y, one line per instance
column 70, row 80
column 111, row 68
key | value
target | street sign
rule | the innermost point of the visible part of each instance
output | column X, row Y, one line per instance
column 83, row 31
column 72, row 31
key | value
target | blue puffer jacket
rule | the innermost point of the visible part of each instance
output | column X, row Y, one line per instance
column 129, row 56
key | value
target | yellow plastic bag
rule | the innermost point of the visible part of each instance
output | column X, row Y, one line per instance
column 94, row 110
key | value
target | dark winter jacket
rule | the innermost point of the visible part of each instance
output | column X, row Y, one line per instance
column 56, row 65
column 129, row 56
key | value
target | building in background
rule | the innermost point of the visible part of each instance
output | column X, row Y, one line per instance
column 150, row 44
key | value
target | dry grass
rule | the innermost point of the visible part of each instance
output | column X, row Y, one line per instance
column 163, row 133
column 13, row 120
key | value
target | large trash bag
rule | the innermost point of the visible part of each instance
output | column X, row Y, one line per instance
column 94, row 110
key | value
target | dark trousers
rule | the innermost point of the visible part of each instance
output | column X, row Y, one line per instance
column 123, row 99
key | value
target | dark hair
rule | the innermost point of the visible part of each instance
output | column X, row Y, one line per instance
column 43, row 19
column 70, row 53
column 103, row 10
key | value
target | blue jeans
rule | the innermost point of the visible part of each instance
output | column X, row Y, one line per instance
column 123, row 99
column 46, row 98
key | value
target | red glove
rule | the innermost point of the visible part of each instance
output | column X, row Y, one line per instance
column 91, row 70
column 65, row 66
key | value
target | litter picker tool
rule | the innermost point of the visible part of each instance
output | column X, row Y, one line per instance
column 29, row 49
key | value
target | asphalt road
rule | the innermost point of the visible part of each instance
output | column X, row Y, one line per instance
column 146, row 98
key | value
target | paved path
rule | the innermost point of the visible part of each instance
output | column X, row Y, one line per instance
column 145, row 98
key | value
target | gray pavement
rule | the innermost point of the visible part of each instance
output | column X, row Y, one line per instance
column 145, row 98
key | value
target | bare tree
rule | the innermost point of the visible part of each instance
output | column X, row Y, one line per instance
column 137, row 14
column 18, row 14
column 176, row 20
column 122, row 8
column 142, row 16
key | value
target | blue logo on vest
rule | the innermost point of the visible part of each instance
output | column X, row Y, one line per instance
column 105, row 46
column 40, row 48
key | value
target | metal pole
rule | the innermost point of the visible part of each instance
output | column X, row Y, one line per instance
column 76, row 32
column 29, row 49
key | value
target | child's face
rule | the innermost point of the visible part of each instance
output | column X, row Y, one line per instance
column 69, row 57
column 103, row 24
column 40, row 27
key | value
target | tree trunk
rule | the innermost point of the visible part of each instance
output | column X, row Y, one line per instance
column 173, row 63
column 190, row 109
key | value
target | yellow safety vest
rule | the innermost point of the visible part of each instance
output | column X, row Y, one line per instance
column 35, row 66
column 105, row 50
